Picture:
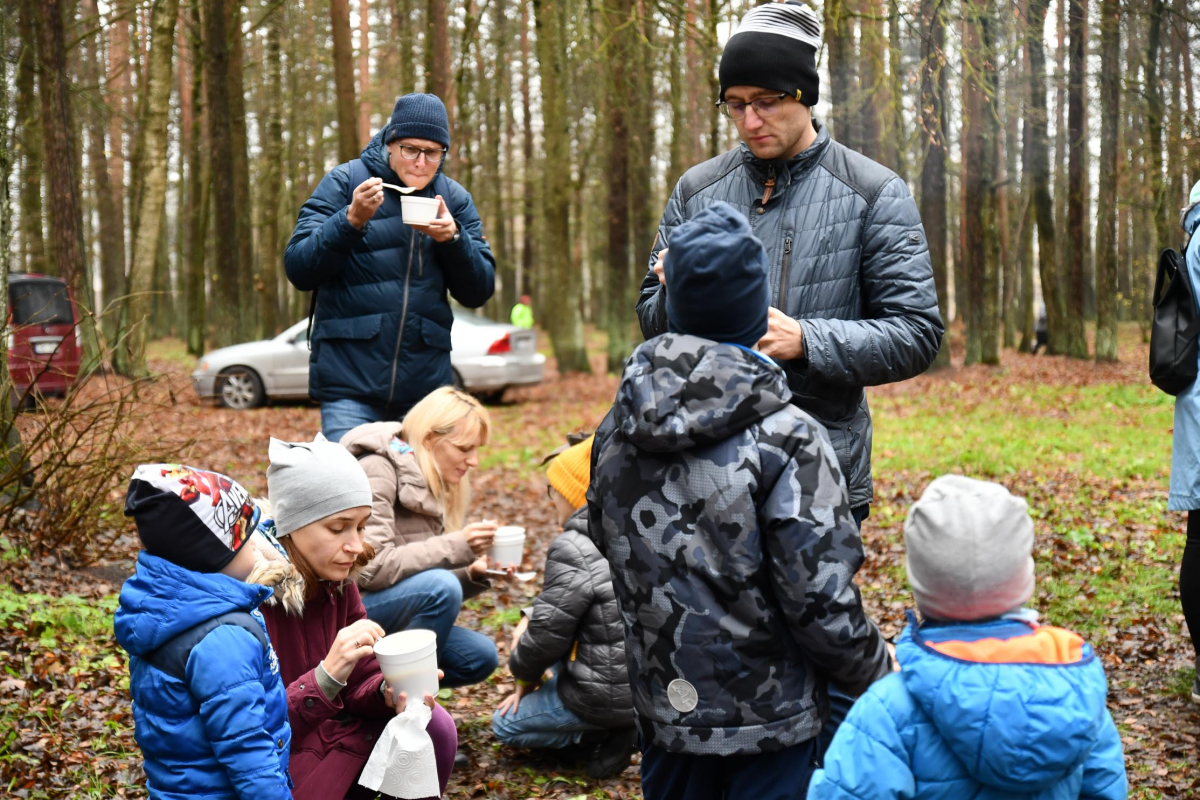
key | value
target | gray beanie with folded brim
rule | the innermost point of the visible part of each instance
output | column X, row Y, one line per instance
column 969, row 550
column 308, row 481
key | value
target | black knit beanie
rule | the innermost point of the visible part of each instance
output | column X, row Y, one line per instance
column 775, row 47
column 419, row 116
column 716, row 277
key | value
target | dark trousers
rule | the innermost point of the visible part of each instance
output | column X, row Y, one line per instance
column 1189, row 579
column 763, row 776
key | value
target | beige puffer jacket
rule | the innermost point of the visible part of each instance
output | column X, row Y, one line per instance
column 405, row 527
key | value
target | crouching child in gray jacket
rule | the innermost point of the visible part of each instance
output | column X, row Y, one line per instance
column 725, row 518
column 575, row 630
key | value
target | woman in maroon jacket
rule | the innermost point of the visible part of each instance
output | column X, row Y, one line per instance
column 338, row 701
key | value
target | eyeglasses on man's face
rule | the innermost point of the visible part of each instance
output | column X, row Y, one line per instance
column 410, row 153
column 763, row 106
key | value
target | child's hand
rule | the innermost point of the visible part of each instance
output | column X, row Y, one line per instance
column 352, row 642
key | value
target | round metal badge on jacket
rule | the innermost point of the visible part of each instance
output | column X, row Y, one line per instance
column 682, row 695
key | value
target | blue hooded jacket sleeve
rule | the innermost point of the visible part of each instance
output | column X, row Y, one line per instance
column 1103, row 773
column 323, row 233
column 866, row 761
column 468, row 264
column 225, row 677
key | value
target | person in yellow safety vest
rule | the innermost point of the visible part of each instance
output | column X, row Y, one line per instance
column 522, row 314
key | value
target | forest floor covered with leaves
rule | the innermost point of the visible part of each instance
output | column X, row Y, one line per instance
column 1087, row 445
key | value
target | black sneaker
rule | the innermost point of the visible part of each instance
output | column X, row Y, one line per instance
column 461, row 762
column 611, row 755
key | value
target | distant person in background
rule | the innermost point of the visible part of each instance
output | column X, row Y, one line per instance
column 1185, row 457
column 381, row 322
column 522, row 314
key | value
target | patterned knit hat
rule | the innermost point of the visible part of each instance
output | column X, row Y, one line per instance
column 196, row 519
column 775, row 47
column 570, row 472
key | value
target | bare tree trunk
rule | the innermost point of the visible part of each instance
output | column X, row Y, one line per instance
column 145, row 245
column 933, row 171
column 10, row 437
column 1106, row 231
column 118, row 99
column 404, row 40
column 897, row 137
column 364, row 74
column 199, row 179
column 241, row 177
column 679, row 128
column 439, row 69
column 620, row 31
column 1077, row 346
column 566, row 328
column 873, row 95
column 110, row 235
column 1028, row 217
column 1040, row 179
column 529, row 215
column 343, row 77
column 270, row 260
column 1164, row 225
column 226, row 275
column 839, row 39
column 643, row 209
column 29, row 132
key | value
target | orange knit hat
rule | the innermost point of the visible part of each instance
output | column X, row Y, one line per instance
column 570, row 472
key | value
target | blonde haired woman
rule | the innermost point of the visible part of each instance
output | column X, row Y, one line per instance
column 426, row 560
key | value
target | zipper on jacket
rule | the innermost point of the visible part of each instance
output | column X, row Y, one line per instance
column 784, row 272
column 412, row 244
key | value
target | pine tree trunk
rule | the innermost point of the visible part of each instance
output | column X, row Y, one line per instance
column 1028, row 216
column 1106, row 229
column 679, row 133
column 873, row 95
column 644, row 212
column 29, row 139
column 343, row 78
column 1040, row 180
column 439, row 62
column 566, row 328
column 199, row 179
column 227, row 251
column 527, row 280
column 118, row 99
column 1077, row 346
column 248, row 310
column 144, row 247
column 839, row 41
column 933, row 171
column 620, row 31
column 110, row 235
column 270, row 262
column 404, row 40
column 364, row 74
column 10, row 437
column 897, row 137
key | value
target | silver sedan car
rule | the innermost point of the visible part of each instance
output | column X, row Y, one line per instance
column 487, row 358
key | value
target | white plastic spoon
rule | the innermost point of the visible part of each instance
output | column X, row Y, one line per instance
column 400, row 189
column 523, row 577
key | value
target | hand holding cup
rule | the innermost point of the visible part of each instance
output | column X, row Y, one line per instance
column 479, row 536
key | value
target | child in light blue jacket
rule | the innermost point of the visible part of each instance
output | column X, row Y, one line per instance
column 988, row 704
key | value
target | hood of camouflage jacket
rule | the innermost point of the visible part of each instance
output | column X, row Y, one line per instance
column 680, row 392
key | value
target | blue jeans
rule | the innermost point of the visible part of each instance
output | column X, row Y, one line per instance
column 839, row 701
column 541, row 721
column 431, row 600
column 339, row 416
column 764, row 776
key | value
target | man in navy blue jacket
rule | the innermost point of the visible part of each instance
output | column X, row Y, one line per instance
column 381, row 326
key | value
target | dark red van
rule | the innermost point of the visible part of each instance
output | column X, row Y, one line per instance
column 43, row 334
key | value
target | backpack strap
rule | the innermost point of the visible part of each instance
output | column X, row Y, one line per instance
column 358, row 173
column 172, row 657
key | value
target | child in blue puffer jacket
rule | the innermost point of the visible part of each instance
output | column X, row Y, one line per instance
column 209, row 708
column 988, row 704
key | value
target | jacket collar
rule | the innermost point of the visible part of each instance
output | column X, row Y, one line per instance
column 762, row 169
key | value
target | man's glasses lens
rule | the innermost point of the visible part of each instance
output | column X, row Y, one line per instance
column 763, row 106
column 413, row 153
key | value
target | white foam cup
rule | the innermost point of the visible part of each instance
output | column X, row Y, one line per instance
column 508, row 547
column 419, row 210
column 408, row 660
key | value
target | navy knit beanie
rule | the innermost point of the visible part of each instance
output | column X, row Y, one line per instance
column 716, row 277
column 419, row 116
column 775, row 47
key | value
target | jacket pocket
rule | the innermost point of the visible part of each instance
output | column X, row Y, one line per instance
column 435, row 336
column 365, row 327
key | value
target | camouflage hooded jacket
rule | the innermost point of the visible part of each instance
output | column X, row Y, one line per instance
column 724, row 515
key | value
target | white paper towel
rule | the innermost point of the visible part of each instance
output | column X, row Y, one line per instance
column 402, row 763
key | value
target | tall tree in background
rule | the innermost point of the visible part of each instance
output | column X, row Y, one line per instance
column 343, row 77
column 562, row 306
column 58, row 130
column 1164, row 226
column 1106, row 221
column 118, row 97
column 29, row 139
column 839, row 41
column 1077, row 346
column 896, row 139
column 439, row 64
column 529, row 178
column 199, row 181
column 240, row 149
column 227, row 259
column 112, row 267
column 272, row 196
column 364, row 73
column 1039, row 142
column 980, row 245
column 145, row 245
column 872, row 101
column 620, row 31
column 933, row 171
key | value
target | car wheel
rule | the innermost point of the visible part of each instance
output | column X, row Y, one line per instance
column 491, row 398
column 457, row 381
column 240, row 388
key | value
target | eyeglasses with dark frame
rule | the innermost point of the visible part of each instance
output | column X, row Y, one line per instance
column 763, row 106
column 411, row 153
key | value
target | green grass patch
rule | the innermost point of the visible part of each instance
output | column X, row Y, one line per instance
column 1109, row 430
column 171, row 350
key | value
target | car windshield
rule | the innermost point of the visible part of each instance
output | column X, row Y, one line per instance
column 40, row 303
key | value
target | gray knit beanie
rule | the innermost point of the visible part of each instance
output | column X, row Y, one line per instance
column 308, row 481
column 969, row 546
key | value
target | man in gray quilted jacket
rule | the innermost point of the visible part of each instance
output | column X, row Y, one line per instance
column 852, row 292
